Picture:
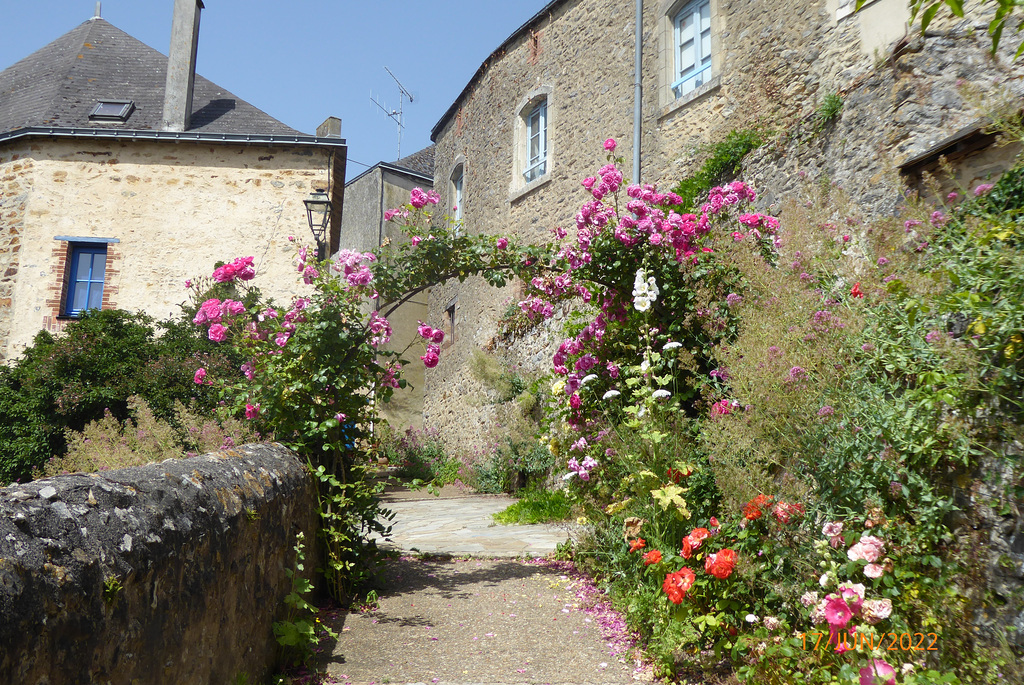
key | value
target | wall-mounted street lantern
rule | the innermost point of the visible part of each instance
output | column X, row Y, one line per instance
column 318, row 211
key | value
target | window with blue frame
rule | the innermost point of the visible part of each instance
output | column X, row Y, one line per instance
column 85, row 280
column 692, row 47
column 536, row 142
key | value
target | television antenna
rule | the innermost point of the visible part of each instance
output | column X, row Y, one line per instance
column 396, row 115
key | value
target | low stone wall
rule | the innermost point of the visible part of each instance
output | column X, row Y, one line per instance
column 165, row 573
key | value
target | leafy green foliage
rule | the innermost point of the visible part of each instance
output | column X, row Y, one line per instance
column 301, row 630
column 722, row 162
column 63, row 382
column 1005, row 11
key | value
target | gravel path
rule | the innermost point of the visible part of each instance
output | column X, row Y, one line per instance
column 483, row 621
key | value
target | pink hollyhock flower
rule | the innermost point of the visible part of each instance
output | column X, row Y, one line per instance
column 217, row 333
column 430, row 359
column 252, row 410
column 853, row 594
column 200, row 376
column 609, row 145
column 837, row 611
column 417, row 198
column 438, row 336
column 502, row 243
column 877, row 672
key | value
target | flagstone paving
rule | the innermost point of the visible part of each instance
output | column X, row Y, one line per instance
column 481, row 613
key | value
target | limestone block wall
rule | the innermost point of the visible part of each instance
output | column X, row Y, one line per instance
column 773, row 64
column 166, row 573
column 174, row 209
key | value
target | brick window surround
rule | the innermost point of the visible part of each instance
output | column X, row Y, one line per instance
column 60, row 271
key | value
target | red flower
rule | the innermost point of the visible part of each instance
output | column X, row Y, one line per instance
column 634, row 545
column 692, row 542
column 714, row 522
column 652, row 557
column 721, row 564
column 678, row 474
column 677, row 584
column 754, row 508
column 856, row 290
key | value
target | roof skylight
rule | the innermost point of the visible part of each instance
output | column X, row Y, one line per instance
column 112, row 110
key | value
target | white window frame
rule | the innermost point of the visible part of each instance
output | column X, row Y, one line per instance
column 700, row 71
column 536, row 129
column 534, row 122
column 458, row 183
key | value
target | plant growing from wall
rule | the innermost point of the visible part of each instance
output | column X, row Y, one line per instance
column 301, row 630
column 722, row 162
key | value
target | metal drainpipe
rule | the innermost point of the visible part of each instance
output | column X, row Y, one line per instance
column 637, row 88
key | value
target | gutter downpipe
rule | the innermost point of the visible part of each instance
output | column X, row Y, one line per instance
column 637, row 89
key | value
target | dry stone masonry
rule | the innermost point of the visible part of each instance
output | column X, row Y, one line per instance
column 165, row 573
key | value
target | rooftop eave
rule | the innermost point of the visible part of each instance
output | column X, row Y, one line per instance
column 171, row 136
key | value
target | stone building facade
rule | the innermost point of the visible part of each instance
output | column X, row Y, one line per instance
column 529, row 126
column 369, row 195
column 117, row 183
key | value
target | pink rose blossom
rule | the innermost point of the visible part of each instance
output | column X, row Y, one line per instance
column 438, row 336
column 876, row 610
column 832, row 529
column 609, row 145
column 870, row 549
column 502, row 243
column 430, row 359
column 248, row 370
column 217, row 332
column 425, row 331
column 982, row 189
column 200, row 376
column 874, row 570
column 417, row 198
column 252, row 411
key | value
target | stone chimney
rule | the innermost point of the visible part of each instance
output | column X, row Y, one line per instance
column 181, row 65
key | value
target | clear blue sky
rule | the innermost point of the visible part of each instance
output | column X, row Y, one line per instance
column 302, row 61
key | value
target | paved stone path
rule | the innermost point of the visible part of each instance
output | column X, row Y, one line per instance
column 459, row 523
column 482, row 615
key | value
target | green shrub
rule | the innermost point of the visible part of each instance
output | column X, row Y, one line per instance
column 511, row 465
column 420, row 456
column 63, row 382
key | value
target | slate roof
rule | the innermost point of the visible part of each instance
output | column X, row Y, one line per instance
column 422, row 161
column 59, row 84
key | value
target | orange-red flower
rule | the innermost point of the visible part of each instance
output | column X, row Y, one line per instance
column 636, row 544
column 856, row 290
column 755, row 507
column 677, row 584
column 678, row 474
column 652, row 557
column 692, row 542
column 721, row 564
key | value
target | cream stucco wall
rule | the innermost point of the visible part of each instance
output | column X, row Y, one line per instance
column 175, row 209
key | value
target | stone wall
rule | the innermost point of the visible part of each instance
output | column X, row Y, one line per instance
column 773, row 64
column 174, row 208
column 165, row 573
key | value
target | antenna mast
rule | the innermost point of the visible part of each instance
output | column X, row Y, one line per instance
column 396, row 115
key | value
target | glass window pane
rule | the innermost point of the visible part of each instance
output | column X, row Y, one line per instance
column 80, row 299
column 95, row 298
column 99, row 263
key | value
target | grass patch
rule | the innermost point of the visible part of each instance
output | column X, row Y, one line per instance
column 536, row 506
